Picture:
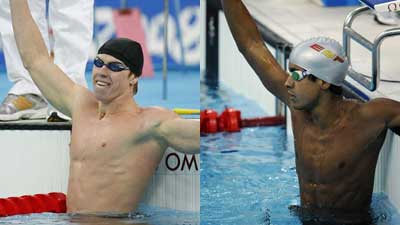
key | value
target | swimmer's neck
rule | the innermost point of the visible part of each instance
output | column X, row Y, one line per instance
column 328, row 111
column 121, row 104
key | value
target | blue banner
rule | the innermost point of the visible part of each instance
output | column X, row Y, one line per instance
column 183, row 38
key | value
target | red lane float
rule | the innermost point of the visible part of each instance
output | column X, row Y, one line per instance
column 230, row 121
column 208, row 121
column 51, row 202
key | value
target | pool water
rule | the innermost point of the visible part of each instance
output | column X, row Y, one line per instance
column 148, row 216
column 249, row 177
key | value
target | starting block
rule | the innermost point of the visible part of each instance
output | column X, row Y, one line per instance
column 383, row 5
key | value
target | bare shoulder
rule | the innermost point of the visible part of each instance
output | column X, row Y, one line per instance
column 84, row 99
column 158, row 110
column 159, row 113
column 380, row 108
column 156, row 122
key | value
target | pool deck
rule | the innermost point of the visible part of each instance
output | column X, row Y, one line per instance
column 183, row 92
column 298, row 20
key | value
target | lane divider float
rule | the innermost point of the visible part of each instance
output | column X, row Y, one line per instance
column 230, row 121
column 52, row 202
column 184, row 111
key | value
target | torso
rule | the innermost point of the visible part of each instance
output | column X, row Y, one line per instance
column 110, row 168
column 336, row 166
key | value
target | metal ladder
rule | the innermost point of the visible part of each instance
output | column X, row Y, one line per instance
column 374, row 47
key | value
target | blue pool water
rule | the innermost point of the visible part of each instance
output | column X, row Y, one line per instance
column 249, row 177
column 148, row 216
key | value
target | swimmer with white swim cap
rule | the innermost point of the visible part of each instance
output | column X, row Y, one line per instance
column 116, row 145
column 337, row 140
column 323, row 57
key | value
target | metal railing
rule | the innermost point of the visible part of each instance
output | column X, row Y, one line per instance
column 371, row 83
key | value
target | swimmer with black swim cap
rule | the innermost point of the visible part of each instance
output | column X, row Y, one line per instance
column 116, row 145
column 337, row 140
column 129, row 52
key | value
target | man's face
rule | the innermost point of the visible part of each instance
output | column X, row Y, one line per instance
column 303, row 93
column 108, row 84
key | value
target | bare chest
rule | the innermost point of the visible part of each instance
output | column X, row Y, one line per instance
column 335, row 152
column 94, row 139
column 108, row 140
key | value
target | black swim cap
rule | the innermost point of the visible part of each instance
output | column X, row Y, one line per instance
column 128, row 51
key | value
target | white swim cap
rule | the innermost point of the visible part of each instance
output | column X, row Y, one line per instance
column 323, row 57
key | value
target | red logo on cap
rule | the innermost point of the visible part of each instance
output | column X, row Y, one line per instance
column 326, row 52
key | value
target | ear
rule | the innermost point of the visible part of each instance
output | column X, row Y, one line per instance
column 133, row 79
column 324, row 85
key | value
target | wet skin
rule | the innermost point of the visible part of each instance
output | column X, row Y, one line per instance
column 116, row 145
column 337, row 144
column 110, row 166
column 335, row 164
column 337, row 140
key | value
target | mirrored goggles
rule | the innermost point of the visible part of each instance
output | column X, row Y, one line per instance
column 113, row 66
column 299, row 75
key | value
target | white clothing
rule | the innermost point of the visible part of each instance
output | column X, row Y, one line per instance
column 72, row 25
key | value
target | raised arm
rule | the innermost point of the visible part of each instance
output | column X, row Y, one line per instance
column 56, row 87
column 182, row 135
column 251, row 45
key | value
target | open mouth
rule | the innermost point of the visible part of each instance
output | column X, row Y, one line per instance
column 102, row 84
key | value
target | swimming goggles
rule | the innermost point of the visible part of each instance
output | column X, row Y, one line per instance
column 299, row 75
column 113, row 66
